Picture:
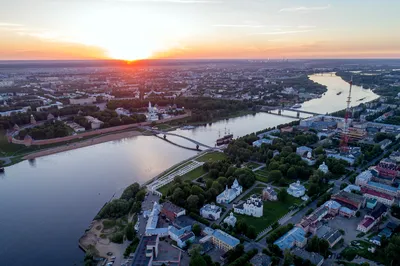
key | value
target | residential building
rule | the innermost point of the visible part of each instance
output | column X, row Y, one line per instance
column 371, row 219
column 295, row 237
column 94, row 122
column 76, row 127
column 181, row 236
column 308, row 223
column 223, row 240
column 395, row 156
column 269, row 193
column 146, row 251
column 230, row 220
column 352, row 188
column 314, row 258
column 228, row 195
column 210, row 212
column 306, row 155
column 346, row 157
column 363, row 178
column 296, row 189
column 121, row 111
column 171, row 211
column 151, row 225
column 379, row 196
column 252, row 206
column 332, row 237
column 333, row 207
column 82, row 101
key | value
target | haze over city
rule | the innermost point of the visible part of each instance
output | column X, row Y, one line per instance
column 198, row 29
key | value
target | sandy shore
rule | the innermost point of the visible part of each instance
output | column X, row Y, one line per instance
column 82, row 144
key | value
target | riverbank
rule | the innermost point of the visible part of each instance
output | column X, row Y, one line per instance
column 82, row 144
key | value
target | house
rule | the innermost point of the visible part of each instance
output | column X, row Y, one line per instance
column 314, row 258
column 228, row 195
column 395, row 156
column 269, row 193
column 351, row 188
column 387, row 232
column 253, row 206
column 371, row 203
column 171, row 211
column 223, row 240
column 371, row 219
column 94, row 122
column 333, row 207
column 303, row 150
column 76, row 127
column 181, row 236
column 306, row 154
column 385, row 143
column 230, row 220
column 323, row 168
column 261, row 260
column 122, row 111
column 295, row 237
column 82, row 101
column 332, row 237
column 308, row 223
column 363, row 178
column 210, row 212
column 296, row 189
column 379, row 196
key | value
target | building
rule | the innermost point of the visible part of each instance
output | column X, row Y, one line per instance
column 223, row 240
column 309, row 223
column 371, row 219
column 253, row 206
column 12, row 112
column 171, row 211
column 346, row 157
column 50, row 117
column 181, row 236
column 295, row 237
column 395, row 156
column 269, row 193
column 386, row 232
column 94, row 122
column 296, row 189
column 76, row 127
column 210, row 212
column 385, row 143
column 379, row 196
column 121, row 111
column 306, row 154
column 228, row 195
column 314, row 258
column 349, row 200
column 352, row 188
column 371, row 203
column 363, row 178
column 82, row 101
column 333, row 207
column 259, row 142
column 261, row 260
column 151, row 225
column 152, row 114
column 333, row 236
column 146, row 251
column 323, row 168
column 230, row 220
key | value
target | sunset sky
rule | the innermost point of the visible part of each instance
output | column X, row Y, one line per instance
column 136, row 29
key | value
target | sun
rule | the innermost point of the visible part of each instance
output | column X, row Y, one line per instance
column 131, row 54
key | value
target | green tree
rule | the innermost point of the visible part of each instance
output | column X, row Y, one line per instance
column 130, row 232
column 197, row 260
column 282, row 195
column 251, row 232
column 291, row 173
column 196, row 229
column 192, row 201
column 275, row 175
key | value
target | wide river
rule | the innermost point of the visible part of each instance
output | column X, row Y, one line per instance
column 45, row 206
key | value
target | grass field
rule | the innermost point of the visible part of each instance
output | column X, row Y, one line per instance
column 252, row 165
column 272, row 211
column 212, row 157
column 192, row 175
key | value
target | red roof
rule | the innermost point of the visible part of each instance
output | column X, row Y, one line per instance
column 372, row 192
column 367, row 222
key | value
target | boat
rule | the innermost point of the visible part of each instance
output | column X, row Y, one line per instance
column 361, row 99
column 340, row 92
column 225, row 140
column 296, row 106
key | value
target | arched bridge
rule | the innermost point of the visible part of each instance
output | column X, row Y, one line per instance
column 180, row 136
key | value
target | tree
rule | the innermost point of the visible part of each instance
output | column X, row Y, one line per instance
column 197, row 260
column 192, row 201
column 275, row 175
column 291, row 173
column 251, row 232
column 342, row 186
column 130, row 232
column 282, row 195
column 196, row 229
column 358, row 214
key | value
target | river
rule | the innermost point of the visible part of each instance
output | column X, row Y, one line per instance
column 46, row 205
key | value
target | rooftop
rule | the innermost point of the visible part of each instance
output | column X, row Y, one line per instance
column 314, row 258
column 226, row 238
column 140, row 258
column 288, row 240
column 383, row 186
column 378, row 211
column 172, row 207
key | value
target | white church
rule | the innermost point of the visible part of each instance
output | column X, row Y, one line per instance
column 230, row 194
column 152, row 114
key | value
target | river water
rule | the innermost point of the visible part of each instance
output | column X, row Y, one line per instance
column 46, row 206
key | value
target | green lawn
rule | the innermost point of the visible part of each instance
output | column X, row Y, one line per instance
column 262, row 178
column 211, row 157
column 272, row 211
column 195, row 173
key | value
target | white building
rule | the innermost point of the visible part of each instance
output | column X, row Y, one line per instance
column 83, row 101
column 253, row 206
column 210, row 212
column 323, row 168
column 94, row 122
column 230, row 220
column 152, row 114
column 122, row 111
column 296, row 189
column 230, row 194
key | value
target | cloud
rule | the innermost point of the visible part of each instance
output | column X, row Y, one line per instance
column 280, row 32
column 304, row 9
column 239, row 26
column 5, row 24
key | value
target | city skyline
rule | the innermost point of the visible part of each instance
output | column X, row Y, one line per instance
column 198, row 29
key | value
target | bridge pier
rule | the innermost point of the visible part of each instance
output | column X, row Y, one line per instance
column 279, row 112
column 298, row 114
column 165, row 136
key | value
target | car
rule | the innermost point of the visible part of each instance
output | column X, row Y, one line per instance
column 109, row 263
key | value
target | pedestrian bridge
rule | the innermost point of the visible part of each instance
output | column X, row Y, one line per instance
column 180, row 136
